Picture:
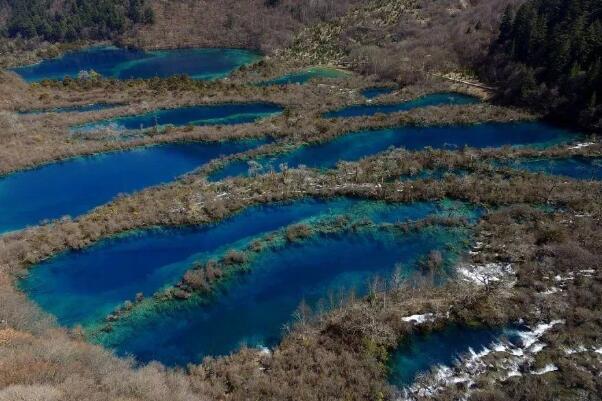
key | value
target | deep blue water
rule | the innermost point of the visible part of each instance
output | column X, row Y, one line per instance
column 227, row 114
column 371, row 93
column 74, row 186
column 423, row 352
column 82, row 286
column 304, row 76
column 78, row 108
column 583, row 168
column 237, row 168
column 354, row 146
column 112, row 62
column 253, row 310
column 436, row 99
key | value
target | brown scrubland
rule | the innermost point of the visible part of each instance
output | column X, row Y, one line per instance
column 258, row 24
column 31, row 140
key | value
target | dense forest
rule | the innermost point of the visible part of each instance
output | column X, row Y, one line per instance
column 548, row 56
column 73, row 19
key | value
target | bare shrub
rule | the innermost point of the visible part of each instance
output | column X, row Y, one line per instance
column 297, row 232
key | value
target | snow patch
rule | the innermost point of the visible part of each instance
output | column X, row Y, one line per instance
column 571, row 351
column 550, row 367
column 550, row 291
column 502, row 359
column 582, row 145
column 418, row 319
column 485, row 274
column 537, row 347
column 530, row 337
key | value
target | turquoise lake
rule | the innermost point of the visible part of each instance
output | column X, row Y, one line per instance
column 76, row 185
column 120, row 63
column 254, row 308
column 304, row 76
column 581, row 168
column 218, row 114
column 85, row 285
column 78, row 108
column 354, row 146
column 436, row 99
column 422, row 352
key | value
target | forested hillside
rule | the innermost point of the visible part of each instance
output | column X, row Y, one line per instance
column 548, row 56
column 71, row 20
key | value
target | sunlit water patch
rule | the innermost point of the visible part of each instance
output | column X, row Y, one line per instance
column 420, row 353
column 86, row 285
column 354, row 146
column 304, row 76
column 218, row 114
column 371, row 93
column 253, row 308
column 78, row 108
column 436, row 99
column 74, row 186
column 582, row 168
column 113, row 62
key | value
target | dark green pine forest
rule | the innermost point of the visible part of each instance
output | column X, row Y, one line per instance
column 74, row 19
column 548, row 57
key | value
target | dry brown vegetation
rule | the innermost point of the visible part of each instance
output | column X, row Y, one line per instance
column 340, row 354
column 46, row 137
column 20, row 51
column 403, row 40
column 255, row 24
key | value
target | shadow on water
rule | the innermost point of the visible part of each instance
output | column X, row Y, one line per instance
column 436, row 99
column 581, row 168
column 69, row 109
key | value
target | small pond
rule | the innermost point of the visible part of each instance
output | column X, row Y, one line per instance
column 77, row 108
column 304, row 76
column 376, row 91
column 581, row 168
column 436, row 99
